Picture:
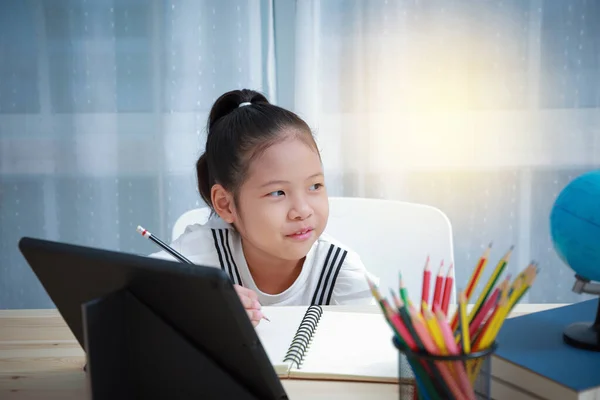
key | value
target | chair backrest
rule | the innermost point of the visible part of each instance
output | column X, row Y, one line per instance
column 190, row 217
column 389, row 236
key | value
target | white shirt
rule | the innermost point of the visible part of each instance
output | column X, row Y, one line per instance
column 331, row 274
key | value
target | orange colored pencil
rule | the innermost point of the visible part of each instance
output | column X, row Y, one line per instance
column 477, row 273
column 473, row 281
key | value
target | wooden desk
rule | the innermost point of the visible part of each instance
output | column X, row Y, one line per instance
column 40, row 359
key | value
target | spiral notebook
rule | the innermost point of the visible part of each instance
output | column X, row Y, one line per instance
column 313, row 343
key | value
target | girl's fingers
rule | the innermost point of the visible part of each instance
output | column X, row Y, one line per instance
column 255, row 316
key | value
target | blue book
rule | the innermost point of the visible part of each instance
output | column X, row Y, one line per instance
column 532, row 360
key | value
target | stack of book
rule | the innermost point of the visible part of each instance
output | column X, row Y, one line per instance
column 533, row 362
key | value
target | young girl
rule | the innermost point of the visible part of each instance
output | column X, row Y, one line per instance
column 261, row 174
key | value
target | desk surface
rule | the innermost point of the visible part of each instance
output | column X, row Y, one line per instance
column 41, row 359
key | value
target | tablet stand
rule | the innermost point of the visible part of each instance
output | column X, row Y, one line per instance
column 132, row 353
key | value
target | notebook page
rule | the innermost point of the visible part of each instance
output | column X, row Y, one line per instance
column 351, row 346
column 277, row 335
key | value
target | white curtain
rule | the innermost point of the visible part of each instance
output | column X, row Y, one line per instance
column 103, row 107
column 483, row 109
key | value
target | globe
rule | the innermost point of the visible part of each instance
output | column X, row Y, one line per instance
column 575, row 225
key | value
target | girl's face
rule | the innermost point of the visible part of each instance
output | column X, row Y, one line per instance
column 283, row 206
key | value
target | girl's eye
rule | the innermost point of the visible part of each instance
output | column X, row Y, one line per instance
column 316, row 186
column 276, row 193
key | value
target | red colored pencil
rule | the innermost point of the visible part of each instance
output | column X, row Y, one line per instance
column 448, row 289
column 439, row 286
column 487, row 307
column 425, row 287
column 489, row 304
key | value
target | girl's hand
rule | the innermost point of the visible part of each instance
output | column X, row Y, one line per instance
column 249, row 300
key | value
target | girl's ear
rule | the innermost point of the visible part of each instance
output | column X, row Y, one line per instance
column 222, row 202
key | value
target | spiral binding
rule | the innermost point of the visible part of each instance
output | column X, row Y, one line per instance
column 304, row 335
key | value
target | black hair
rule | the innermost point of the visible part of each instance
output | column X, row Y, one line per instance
column 237, row 132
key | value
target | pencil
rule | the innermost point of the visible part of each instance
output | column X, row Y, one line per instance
column 447, row 382
column 490, row 283
column 425, row 286
column 488, row 307
column 403, row 290
column 376, row 294
column 163, row 245
column 423, row 368
column 464, row 324
column 439, row 286
column 522, row 283
column 453, row 350
column 434, row 329
column 496, row 320
column 477, row 272
column 533, row 271
column 448, row 289
column 488, row 327
column 473, row 281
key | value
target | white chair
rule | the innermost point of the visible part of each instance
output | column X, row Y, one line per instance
column 389, row 236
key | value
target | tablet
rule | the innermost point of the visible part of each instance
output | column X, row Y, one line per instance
column 197, row 302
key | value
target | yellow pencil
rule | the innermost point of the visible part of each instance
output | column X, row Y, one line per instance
column 530, row 276
column 434, row 329
column 464, row 324
column 487, row 331
column 521, row 285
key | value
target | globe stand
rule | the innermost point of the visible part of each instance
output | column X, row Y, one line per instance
column 584, row 335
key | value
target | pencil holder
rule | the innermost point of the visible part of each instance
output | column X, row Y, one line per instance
column 424, row 376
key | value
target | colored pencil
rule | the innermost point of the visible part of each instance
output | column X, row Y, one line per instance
column 453, row 350
column 427, row 370
column 440, row 371
column 490, row 284
column 464, row 324
column 473, row 281
column 503, row 309
column 376, row 294
column 403, row 290
column 426, row 388
column 434, row 329
column 449, row 281
column 425, row 328
column 439, row 286
column 425, row 285
column 534, row 271
column 490, row 303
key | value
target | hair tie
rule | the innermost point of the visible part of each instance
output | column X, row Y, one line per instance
column 246, row 103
